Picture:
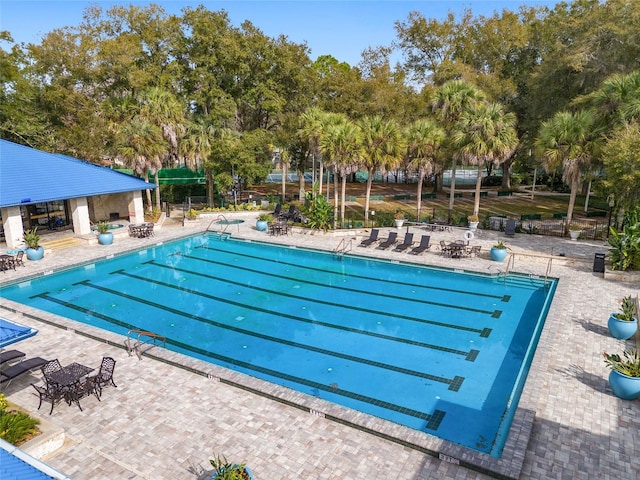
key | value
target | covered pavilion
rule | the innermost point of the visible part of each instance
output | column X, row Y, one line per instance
column 41, row 189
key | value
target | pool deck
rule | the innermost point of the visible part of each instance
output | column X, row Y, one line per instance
column 164, row 421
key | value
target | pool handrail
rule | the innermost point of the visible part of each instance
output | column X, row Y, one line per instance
column 220, row 220
column 135, row 347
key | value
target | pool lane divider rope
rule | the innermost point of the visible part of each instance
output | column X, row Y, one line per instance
column 433, row 420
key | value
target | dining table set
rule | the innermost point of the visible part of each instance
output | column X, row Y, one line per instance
column 458, row 249
column 70, row 383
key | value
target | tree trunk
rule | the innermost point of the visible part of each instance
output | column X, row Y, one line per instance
column 575, row 185
column 343, row 196
column 300, row 186
column 419, row 199
column 506, row 174
column 284, row 181
column 157, row 191
column 146, row 179
column 476, row 203
column 320, row 174
column 452, row 189
column 367, row 196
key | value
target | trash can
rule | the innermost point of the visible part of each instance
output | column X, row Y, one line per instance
column 598, row 262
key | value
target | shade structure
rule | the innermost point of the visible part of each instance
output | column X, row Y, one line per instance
column 11, row 332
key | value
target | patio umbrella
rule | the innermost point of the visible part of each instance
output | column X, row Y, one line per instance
column 11, row 332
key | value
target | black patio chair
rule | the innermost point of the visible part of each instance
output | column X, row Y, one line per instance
column 10, row 355
column 51, row 366
column 290, row 214
column 422, row 246
column 49, row 393
column 373, row 238
column 104, row 377
column 276, row 212
column 18, row 259
column 406, row 243
column 392, row 239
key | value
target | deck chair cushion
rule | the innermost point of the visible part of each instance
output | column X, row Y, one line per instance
column 21, row 368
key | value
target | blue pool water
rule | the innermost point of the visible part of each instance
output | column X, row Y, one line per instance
column 438, row 351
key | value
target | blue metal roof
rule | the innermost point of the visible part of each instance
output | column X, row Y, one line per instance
column 31, row 176
column 11, row 332
column 18, row 465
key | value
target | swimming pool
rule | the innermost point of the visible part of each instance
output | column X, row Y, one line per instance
column 438, row 351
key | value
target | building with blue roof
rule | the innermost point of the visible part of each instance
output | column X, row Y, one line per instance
column 15, row 464
column 47, row 190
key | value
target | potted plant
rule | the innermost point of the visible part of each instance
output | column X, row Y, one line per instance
column 263, row 221
column 574, row 231
column 223, row 470
column 624, row 324
column 399, row 218
column 34, row 250
column 499, row 251
column 473, row 222
column 105, row 237
column 625, row 374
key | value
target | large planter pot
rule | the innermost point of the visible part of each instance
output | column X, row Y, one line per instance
column 624, row 386
column 574, row 234
column 262, row 225
column 498, row 254
column 473, row 226
column 35, row 253
column 399, row 222
column 105, row 238
column 622, row 329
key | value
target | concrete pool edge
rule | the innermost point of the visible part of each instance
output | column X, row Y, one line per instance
column 508, row 466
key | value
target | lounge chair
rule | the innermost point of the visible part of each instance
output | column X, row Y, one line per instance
column 14, row 371
column 422, row 246
column 510, row 228
column 406, row 243
column 391, row 240
column 373, row 238
column 276, row 212
column 290, row 214
column 10, row 356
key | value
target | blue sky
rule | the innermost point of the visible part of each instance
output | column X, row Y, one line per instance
column 342, row 29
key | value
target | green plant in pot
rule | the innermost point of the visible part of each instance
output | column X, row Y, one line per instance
column 624, row 324
column 499, row 251
column 625, row 374
column 32, row 240
column 224, row 470
column 263, row 221
column 105, row 236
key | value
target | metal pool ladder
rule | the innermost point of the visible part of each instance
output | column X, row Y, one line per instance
column 221, row 231
column 141, row 338
column 343, row 247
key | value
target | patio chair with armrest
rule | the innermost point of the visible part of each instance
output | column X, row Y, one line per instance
column 49, row 393
column 392, row 239
column 18, row 259
column 406, row 243
column 104, row 377
column 422, row 246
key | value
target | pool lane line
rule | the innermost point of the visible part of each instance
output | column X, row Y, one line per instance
column 502, row 298
column 454, row 383
column 483, row 333
column 492, row 313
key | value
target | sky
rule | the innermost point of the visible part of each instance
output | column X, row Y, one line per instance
column 342, row 29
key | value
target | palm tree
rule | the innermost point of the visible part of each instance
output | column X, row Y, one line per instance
column 162, row 108
column 195, row 147
column 450, row 101
column 382, row 146
column 140, row 145
column 341, row 144
column 424, row 138
column 485, row 133
column 617, row 101
column 312, row 126
column 568, row 140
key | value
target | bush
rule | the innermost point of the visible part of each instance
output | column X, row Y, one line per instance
column 15, row 427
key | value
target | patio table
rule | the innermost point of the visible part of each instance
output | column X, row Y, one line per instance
column 69, row 379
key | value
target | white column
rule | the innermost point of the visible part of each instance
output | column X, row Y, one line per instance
column 136, row 208
column 80, row 215
column 12, row 224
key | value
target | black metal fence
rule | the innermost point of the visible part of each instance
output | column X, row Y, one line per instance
column 590, row 229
